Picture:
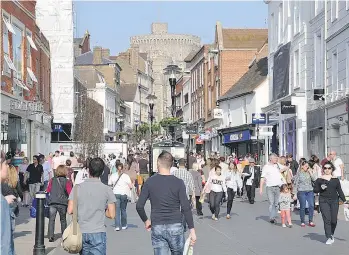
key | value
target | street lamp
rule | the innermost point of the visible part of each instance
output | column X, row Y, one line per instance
column 151, row 99
column 120, row 119
column 258, row 117
column 172, row 70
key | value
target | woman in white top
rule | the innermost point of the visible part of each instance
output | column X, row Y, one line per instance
column 216, row 184
column 122, row 186
column 233, row 182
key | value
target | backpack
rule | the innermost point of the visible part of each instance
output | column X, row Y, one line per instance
column 72, row 236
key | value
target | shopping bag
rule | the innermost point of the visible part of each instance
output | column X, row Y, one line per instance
column 202, row 197
column 32, row 209
column 188, row 249
column 345, row 187
column 346, row 212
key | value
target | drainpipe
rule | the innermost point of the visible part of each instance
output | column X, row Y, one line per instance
column 325, row 82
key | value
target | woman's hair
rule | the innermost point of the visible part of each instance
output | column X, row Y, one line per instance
column 195, row 166
column 130, row 160
column 12, row 177
column 119, row 165
column 61, row 171
column 311, row 163
column 234, row 165
column 25, row 158
column 304, row 162
column 315, row 159
column 329, row 163
column 217, row 167
column 283, row 188
column 214, row 162
column 68, row 162
column 301, row 160
column 282, row 160
column 36, row 157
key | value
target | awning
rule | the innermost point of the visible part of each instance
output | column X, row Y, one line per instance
column 20, row 84
column 32, row 75
column 8, row 25
column 9, row 63
column 31, row 42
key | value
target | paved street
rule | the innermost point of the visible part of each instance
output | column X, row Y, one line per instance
column 248, row 232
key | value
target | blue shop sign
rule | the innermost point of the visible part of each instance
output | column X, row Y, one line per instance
column 237, row 137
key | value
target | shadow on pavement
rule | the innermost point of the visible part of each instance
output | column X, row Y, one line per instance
column 22, row 233
column 264, row 218
column 132, row 226
column 320, row 238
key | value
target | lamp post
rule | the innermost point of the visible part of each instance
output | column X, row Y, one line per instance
column 136, row 121
column 258, row 117
column 151, row 99
column 172, row 70
column 120, row 119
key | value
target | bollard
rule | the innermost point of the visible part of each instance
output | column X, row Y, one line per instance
column 39, row 246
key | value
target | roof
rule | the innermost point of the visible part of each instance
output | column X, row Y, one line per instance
column 191, row 55
column 257, row 73
column 128, row 92
column 244, row 38
column 77, row 40
column 87, row 59
column 128, row 74
column 89, row 77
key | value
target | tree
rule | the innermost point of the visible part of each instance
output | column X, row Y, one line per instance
column 89, row 128
column 171, row 121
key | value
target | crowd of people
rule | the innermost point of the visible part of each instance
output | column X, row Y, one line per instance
column 104, row 187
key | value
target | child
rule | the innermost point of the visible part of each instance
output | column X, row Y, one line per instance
column 285, row 205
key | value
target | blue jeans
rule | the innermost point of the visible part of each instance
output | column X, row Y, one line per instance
column 273, row 194
column 121, row 204
column 304, row 197
column 94, row 243
column 168, row 238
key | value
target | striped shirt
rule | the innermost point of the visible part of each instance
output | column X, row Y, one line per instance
column 187, row 178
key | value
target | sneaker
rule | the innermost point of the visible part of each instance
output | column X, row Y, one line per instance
column 332, row 239
column 272, row 221
column 228, row 216
column 311, row 224
column 329, row 241
column 123, row 228
column 279, row 212
column 117, row 229
column 215, row 219
column 213, row 216
column 290, row 225
column 303, row 225
column 284, row 225
column 292, row 207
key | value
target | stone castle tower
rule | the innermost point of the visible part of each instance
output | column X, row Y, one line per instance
column 163, row 49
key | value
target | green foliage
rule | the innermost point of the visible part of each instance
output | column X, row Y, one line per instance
column 169, row 122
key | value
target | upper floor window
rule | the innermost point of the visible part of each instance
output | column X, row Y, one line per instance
column 334, row 10
column 296, row 68
column 281, row 24
column 319, row 6
column 186, row 98
column 347, row 64
column 318, row 60
column 6, row 28
column 272, row 31
column 334, row 73
column 17, row 51
column 296, row 19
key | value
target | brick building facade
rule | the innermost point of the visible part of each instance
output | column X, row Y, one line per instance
column 25, row 80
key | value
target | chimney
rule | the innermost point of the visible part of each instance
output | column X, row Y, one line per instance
column 105, row 53
column 97, row 55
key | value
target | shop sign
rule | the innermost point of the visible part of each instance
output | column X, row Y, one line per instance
column 287, row 107
column 192, row 130
column 218, row 113
column 237, row 136
column 26, row 106
column 259, row 118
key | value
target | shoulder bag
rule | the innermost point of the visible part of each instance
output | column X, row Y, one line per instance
column 72, row 236
column 117, row 180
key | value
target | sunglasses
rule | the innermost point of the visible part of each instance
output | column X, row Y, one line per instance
column 327, row 168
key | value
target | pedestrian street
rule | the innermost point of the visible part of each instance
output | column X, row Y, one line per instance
column 248, row 232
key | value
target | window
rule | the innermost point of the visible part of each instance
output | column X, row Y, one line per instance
column 209, row 60
column 39, row 73
column 334, row 71
column 281, row 24
column 296, row 20
column 318, row 60
column 296, row 65
column 244, row 111
column 272, row 32
column 209, row 97
column 347, row 65
column 319, row 6
column 347, row 5
column 334, row 10
column 186, row 98
column 17, row 53
column 217, row 89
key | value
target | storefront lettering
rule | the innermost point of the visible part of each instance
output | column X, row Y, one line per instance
column 235, row 137
column 26, row 106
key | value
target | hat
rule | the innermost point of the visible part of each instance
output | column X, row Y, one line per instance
column 251, row 160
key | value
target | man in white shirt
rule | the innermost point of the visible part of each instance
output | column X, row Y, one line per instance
column 271, row 175
column 57, row 161
column 338, row 164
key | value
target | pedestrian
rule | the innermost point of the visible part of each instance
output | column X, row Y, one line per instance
column 338, row 164
column 251, row 175
column 7, row 245
column 59, row 188
column 83, row 174
column 292, row 164
column 196, row 174
column 192, row 160
column 73, row 159
column 144, row 168
column 57, row 161
column 96, row 201
column 216, row 181
column 330, row 189
column 285, row 200
column 303, row 189
column 168, row 200
column 234, row 183
column 271, row 176
column 47, row 171
column 35, row 180
column 23, row 175
column 122, row 186
column 105, row 175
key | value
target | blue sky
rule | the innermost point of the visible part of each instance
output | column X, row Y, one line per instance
column 112, row 23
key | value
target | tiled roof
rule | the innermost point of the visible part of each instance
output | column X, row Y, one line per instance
column 244, row 38
column 128, row 92
column 249, row 81
column 77, row 40
column 191, row 55
column 89, row 77
column 87, row 59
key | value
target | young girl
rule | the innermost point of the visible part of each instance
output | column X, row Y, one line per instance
column 285, row 205
column 216, row 183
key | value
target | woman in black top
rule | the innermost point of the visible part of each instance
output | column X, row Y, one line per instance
column 330, row 189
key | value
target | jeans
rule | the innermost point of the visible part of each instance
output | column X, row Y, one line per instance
column 168, row 238
column 94, row 244
column 304, row 197
column 43, row 188
column 329, row 212
column 198, row 205
column 62, row 210
column 33, row 189
column 215, row 200
column 121, row 215
column 251, row 192
column 273, row 194
column 231, row 195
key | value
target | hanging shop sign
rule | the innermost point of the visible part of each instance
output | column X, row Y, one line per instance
column 287, row 107
column 26, row 106
column 259, row 118
column 241, row 136
column 218, row 113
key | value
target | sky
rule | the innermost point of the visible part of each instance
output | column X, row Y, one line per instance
column 112, row 23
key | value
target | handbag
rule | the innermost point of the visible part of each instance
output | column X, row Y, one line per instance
column 72, row 236
column 32, row 209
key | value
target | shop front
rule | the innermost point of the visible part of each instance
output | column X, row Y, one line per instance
column 316, row 132
column 238, row 142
